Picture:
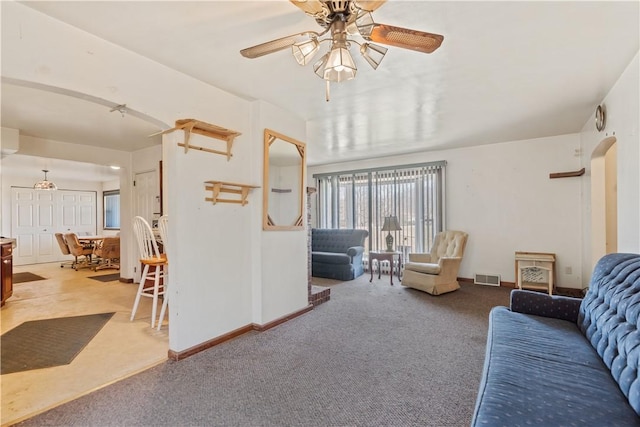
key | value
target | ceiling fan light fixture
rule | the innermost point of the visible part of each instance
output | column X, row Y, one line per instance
column 45, row 184
column 373, row 54
column 304, row 51
column 365, row 24
column 320, row 64
column 340, row 66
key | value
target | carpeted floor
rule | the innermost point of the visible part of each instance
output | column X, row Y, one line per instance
column 26, row 277
column 106, row 277
column 374, row 355
column 45, row 343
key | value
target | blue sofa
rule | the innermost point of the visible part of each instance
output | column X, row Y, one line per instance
column 559, row 361
column 337, row 253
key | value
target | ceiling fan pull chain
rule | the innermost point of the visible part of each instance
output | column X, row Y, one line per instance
column 327, row 91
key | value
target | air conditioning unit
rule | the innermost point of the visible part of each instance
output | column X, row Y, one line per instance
column 487, row 279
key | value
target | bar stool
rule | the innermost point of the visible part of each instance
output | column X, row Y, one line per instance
column 150, row 256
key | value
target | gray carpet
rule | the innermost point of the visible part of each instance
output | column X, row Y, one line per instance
column 46, row 343
column 374, row 355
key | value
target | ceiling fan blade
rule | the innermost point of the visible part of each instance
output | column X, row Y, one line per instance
column 369, row 5
column 271, row 46
column 405, row 38
column 310, row 7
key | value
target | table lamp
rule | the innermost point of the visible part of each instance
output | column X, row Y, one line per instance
column 390, row 224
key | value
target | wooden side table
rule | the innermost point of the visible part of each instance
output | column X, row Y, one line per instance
column 535, row 270
column 385, row 256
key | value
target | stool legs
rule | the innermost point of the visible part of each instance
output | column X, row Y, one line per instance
column 157, row 274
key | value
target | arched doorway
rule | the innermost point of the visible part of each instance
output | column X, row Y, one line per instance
column 604, row 199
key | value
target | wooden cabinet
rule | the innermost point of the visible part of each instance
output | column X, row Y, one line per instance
column 7, row 271
column 535, row 271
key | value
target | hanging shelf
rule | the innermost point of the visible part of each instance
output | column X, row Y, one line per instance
column 190, row 126
column 217, row 187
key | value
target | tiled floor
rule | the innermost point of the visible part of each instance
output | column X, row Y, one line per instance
column 122, row 348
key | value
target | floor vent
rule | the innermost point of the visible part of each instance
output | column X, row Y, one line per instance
column 487, row 279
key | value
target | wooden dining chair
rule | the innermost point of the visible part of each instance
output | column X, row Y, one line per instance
column 163, row 225
column 150, row 256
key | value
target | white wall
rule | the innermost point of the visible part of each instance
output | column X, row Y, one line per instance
column 212, row 249
column 623, row 119
column 502, row 196
column 283, row 253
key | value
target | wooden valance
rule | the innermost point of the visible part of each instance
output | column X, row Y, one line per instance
column 190, row 126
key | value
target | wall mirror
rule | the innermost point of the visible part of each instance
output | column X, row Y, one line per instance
column 283, row 198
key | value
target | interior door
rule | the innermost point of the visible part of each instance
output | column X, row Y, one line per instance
column 38, row 215
column 33, row 226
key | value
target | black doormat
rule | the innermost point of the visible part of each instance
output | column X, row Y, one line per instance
column 26, row 277
column 106, row 277
column 45, row 343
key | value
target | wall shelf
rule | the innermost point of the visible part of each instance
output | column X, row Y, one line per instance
column 217, row 187
column 567, row 174
column 190, row 126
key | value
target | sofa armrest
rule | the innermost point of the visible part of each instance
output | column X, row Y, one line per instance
column 417, row 257
column 355, row 251
column 558, row 307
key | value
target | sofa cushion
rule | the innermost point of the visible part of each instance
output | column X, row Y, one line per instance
column 423, row 267
column 336, row 240
column 543, row 371
column 330, row 258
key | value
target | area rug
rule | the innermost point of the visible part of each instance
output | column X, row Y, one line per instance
column 26, row 277
column 106, row 277
column 46, row 343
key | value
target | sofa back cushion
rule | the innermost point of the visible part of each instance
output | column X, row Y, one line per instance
column 610, row 319
column 336, row 240
column 448, row 243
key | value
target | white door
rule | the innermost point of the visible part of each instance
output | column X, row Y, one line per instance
column 33, row 226
column 147, row 195
column 78, row 212
column 38, row 215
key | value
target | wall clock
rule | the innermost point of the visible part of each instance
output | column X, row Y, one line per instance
column 601, row 118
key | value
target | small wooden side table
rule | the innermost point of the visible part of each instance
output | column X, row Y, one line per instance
column 385, row 256
column 535, row 270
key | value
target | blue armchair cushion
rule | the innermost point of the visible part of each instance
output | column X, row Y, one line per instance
column 330, row 258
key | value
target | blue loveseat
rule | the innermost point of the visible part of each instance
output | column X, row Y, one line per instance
column 337, row 253
column 558, row 361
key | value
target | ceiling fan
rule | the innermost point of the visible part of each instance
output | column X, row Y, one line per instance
column 341, row 21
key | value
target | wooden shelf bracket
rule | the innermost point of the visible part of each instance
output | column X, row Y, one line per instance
column 190, row 126
column 217, row 187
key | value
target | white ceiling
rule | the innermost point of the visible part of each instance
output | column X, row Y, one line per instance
column 506, row 71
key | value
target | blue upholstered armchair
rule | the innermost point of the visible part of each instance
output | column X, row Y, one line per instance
column 337, row 253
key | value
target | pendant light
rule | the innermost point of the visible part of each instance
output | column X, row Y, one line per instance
column 45, row 184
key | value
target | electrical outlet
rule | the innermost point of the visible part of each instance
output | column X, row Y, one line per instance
column 568, row 270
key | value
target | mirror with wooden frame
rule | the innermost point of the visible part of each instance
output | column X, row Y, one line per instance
column 283, row 197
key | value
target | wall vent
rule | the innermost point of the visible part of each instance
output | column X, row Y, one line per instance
column 487, row 279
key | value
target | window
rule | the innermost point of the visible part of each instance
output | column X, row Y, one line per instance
column 363, row 198
column 111, row 209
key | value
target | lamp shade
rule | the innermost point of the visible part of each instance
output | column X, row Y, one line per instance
column 391, row 224
column 305, row 51
column 340, row 66
column 373, row 53
column 45, row 184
